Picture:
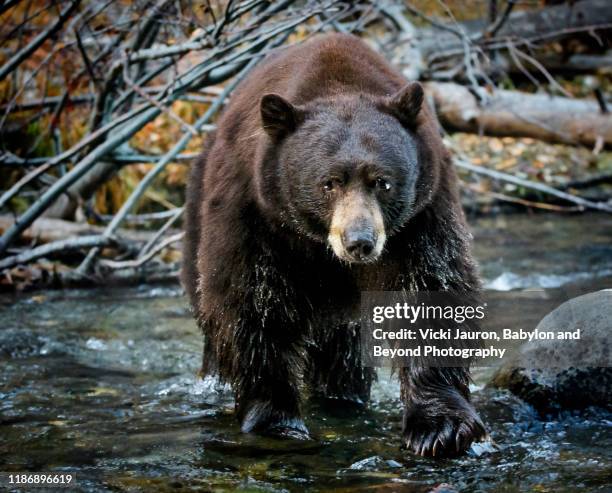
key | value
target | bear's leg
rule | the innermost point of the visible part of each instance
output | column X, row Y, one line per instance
column 268, row 368
column 438, row 417
column 335, row 369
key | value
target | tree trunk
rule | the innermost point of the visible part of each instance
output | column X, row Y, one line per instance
column 518, row 114
column 67, row 204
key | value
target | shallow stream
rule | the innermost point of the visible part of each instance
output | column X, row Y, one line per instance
column 103, row 383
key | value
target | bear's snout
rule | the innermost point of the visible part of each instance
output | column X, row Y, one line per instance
column 357, row 231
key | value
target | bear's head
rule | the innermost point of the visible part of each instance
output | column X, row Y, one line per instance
column 349, row 170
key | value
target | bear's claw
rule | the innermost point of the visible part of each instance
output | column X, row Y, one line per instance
column 442, row 434
column 295, row 430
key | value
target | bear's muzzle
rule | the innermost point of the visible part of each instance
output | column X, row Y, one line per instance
column 357, row 231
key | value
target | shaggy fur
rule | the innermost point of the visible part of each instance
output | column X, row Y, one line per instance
column 277, row 307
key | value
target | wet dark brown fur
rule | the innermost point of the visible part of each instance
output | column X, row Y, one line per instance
column 278, row 309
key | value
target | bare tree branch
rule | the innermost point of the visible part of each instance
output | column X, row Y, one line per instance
column 61, row 246
column 501, row 20
column 540, row 187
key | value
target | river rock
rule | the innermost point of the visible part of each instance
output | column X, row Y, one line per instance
column 444, row 488
column 557, row 374
column 374, row 463
column 20, row 343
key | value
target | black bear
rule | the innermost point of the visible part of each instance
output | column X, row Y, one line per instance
column 326, row 177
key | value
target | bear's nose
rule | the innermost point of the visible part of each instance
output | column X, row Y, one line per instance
column 359, row 244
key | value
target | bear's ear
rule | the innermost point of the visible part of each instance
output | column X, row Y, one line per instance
column 278, row 116
column 407, row 102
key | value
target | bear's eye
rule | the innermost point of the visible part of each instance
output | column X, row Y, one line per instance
column 383, row 184
column 331, row 185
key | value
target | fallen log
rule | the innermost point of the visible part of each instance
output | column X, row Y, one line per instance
column 547, row 24
column 49, row 276
column 46, row 230
column 519, row 114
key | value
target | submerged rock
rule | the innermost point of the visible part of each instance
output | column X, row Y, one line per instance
column 444, row 488
column 479, row 449
column 20, row 343
column 557, row 374
column 374, row 463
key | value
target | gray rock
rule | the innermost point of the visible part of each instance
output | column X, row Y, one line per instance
column 556, row 374
column 374, row 463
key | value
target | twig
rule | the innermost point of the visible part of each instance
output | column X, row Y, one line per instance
column 591, row 181
column 140, row 218
column 469, row 71
column 216, row 72
column 168, row 51
column 235, row 41
column 603, row 106
column 86, row 60
column 48, row 101
column 498, row 175
column 176, row 214
column 545, row 73
column 433, row 22
column 24, row 84
column 463, row 37
column 412, row 55
column 501, row 20
column 140, row 261
column 227, row 17
column 7, row 4
column 167, row 111
column 512, row 50
column 526, row 203
column 88, row 98
column 10, row 160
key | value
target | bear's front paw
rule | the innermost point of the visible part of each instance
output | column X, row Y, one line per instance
column 443, row 425
column 263, row 418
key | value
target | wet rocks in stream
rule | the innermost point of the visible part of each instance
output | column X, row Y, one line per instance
column 555, row 375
